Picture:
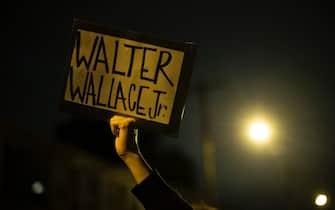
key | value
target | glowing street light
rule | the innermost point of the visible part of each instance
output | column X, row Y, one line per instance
column 321, row 200
column 259, row 132
column 37, row 187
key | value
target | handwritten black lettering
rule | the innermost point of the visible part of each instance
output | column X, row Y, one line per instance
column 124, row 77
column 102, row 49
column 110, row 95
column 114, row 70
column 132, row 88
column 101, row 82
column 120, row 96
column 91, row 90
column 139, row 96
column 77, row 91
column 162, row 64
column 157, row 104
column 133, row 49
column 82, row 59
column 143, row 69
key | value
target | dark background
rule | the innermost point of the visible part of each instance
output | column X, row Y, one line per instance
column 253, row 57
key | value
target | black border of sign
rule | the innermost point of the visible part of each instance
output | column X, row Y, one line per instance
column 189, row 49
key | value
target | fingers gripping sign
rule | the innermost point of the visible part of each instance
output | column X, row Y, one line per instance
column 118, row 123
column 124, row 141
column 126, row 146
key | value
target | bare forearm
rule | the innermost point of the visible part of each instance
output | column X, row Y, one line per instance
column 137, row 166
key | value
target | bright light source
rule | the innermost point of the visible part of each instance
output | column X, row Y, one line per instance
column 321, row 200
column 259, row 132
column 37, row 187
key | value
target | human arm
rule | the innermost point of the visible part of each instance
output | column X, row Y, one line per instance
column 126, row 149
column 151, row 190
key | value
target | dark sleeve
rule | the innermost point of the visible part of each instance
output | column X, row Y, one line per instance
column 155, row 194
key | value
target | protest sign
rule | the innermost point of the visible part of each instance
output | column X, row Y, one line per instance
column 114, row 72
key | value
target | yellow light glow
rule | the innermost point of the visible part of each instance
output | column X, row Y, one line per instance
column 259, row 132
column 321, row 200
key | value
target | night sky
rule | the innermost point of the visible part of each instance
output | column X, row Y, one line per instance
column 254, row 57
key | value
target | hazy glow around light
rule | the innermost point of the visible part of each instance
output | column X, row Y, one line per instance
column 259, row 132
column 321, row 200
column 37, row 187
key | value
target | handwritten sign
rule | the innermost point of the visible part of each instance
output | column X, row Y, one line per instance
column 111, row 72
